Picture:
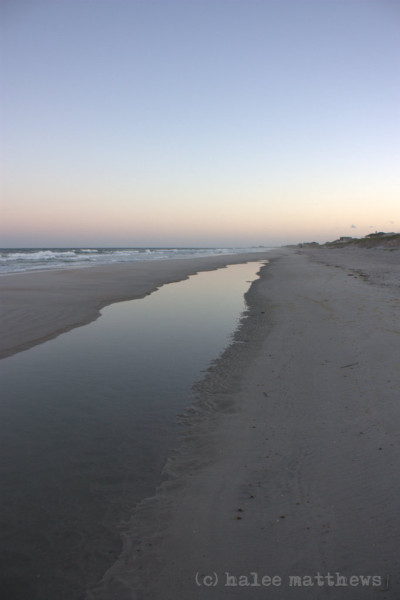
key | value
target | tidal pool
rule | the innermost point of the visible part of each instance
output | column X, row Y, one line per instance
column 88, row 420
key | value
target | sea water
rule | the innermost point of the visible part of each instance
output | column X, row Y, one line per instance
column 88, row 420
column 19, row 260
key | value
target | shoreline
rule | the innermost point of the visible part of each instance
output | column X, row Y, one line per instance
column 36, row 307
column 288, row 464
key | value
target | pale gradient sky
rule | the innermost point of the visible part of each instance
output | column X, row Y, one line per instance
column 199, row 122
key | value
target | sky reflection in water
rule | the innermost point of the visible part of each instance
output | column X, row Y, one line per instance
column 88, row 420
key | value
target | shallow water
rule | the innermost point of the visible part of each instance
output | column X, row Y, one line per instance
column 87, row 422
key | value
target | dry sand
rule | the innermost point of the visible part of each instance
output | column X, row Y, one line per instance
column 289, row 466
column 36, row 307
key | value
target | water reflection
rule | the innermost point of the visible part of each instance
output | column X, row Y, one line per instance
column 88, row 420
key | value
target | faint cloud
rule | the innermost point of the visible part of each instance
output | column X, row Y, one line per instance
column 354, row 226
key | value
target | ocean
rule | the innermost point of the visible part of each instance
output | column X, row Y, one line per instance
column 19, row 260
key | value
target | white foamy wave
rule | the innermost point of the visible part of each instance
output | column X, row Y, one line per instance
column 40, row 255
column 38, row 259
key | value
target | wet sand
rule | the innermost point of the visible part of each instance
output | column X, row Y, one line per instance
column 36, row 307
column 286, row 482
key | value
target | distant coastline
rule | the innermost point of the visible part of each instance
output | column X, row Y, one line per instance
column 379, row 239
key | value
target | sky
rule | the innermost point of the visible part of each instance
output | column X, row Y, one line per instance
column 198, row 122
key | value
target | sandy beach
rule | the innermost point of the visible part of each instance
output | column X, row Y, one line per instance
column 286, row 482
